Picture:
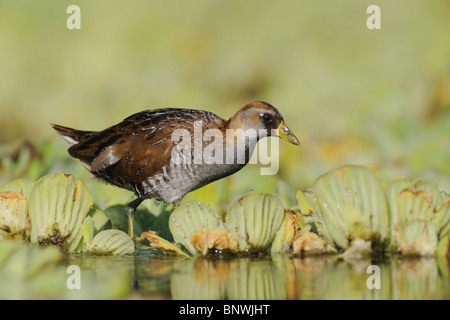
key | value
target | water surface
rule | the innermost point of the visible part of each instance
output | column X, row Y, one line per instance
column 279, row 276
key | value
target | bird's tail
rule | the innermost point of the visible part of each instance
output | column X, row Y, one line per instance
column 72, row 136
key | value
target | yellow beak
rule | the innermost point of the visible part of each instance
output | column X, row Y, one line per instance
column 285, row 133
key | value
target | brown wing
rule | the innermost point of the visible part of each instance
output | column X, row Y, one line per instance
column 139, row 146
column 133, row 158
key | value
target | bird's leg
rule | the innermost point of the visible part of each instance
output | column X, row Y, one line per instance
column 131, row 209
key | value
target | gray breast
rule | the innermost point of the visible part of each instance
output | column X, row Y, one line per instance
column 190, row 169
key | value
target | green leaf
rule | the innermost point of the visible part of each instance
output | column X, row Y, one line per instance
column 392, row 192
column 306, row 202
column 14, row 220
column 114, row 242
column 353, row 205
column 415, row 232
column 417, row 238
column 430, row 188
column 414, row 205
column 163, row 244
column 254, row 219
column 58, row 205
column 191, row 217
column 88, row 230
column 441, row 219
column 443, row 249
column 100, row 220
column 310, row 214
column 145, row 220
column 24, row 186
column 286, row 233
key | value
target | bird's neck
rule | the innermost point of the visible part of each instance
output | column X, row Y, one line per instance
column 239, row 145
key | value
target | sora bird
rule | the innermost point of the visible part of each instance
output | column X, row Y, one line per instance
column 144, row 154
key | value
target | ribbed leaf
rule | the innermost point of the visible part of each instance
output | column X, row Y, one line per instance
column 414, row 205
column 14, row 220
column 191, row 217
column 88, row 230
column 286, row 233
column 430, row 188
column 306, row 202
column 254, row 219
column 353, row 205
column 310, row 215
column 23, row 186
column 111, row 242
column 417, row 238
column 100, row 220
column 58, row 205
column 415, row 232
column 442, row 219
column 392, row 192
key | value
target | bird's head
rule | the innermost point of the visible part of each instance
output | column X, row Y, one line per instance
column 259, row 116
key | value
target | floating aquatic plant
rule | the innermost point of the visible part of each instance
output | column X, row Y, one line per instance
column 23, row 186
column 189, row 218
column 349, row 207
column 309, row 243
column 346, row 204
column 161, row 243
column 415, row 233
column 309, row 217
column 353, row 206
column 56, row 210
column 111, row 242
column 251, row 224
column 219, row 239
column 58, row 204
column 441, row 219
column 102, row 242
column 254, row 219
column 420, row 217
column 287, row 232
column 348, row 210
column 14, row 220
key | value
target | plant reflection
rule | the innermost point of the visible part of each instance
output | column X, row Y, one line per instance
column 286, row 277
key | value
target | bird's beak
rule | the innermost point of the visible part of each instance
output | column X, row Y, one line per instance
column 285, row 133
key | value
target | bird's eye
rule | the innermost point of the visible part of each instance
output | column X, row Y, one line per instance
column 265, row 117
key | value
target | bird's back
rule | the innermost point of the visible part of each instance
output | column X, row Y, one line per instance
column 137, row 153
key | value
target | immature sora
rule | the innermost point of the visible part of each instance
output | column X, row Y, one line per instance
column 138, row 153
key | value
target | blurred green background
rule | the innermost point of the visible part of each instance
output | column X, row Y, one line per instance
column 379, row 98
